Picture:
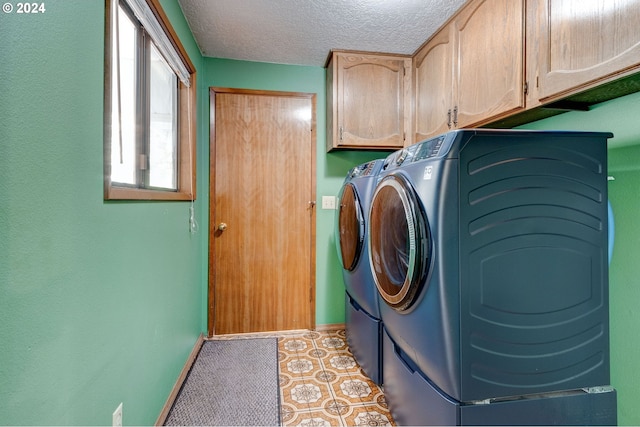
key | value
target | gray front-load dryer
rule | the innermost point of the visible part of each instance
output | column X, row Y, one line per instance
column 489, row 252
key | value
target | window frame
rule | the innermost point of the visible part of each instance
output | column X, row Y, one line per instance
column 186, row 103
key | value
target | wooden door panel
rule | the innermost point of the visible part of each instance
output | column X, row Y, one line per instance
column 433, row 87
column 584, row 42
column 489, row 78
column 263, row 178
column 372, row 99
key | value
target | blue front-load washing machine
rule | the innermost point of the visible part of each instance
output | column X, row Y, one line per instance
column 489, row 253
column 362, row 311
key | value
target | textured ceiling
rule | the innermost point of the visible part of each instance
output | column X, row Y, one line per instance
column 303, row 32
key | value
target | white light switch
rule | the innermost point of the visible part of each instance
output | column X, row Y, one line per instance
column 328, row 202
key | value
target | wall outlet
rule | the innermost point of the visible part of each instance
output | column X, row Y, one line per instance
column 117, row 416
column 328, row 202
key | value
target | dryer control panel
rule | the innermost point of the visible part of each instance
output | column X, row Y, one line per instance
column 437, row 147
column 429, row 148
column 400, row 157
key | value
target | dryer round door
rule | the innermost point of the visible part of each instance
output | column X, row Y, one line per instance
column 350, row 227
column 399, row 242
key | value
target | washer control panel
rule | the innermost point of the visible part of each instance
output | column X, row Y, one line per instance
column 365, row 169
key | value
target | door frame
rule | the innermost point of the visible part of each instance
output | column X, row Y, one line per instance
column 212, row 186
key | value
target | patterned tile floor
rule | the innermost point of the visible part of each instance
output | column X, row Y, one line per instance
column 322, row 385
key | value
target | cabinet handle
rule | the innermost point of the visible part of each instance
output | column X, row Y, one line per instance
column 449, row 118
column 341, row 133
column 455, row 116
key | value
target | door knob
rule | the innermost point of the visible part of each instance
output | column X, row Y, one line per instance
column 222, row 226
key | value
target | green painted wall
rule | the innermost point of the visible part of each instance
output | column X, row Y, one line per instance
column 100, row 303
column 330, row 168
column 619, row 116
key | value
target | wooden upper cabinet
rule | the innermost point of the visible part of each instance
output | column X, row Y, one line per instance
column 433, row 86
column 471, row 71
column 583, row 44
column 491, row 60
column 490, row 77
column 368, row 97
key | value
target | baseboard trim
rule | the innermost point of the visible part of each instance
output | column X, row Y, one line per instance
column 329, row 327
column 180, row 381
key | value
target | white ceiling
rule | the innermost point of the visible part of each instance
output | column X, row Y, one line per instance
column 303, row 32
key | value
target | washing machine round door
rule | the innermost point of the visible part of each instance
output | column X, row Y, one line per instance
column 399, row 242
column 350, row 227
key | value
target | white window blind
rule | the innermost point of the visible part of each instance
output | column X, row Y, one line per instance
column 150, row 23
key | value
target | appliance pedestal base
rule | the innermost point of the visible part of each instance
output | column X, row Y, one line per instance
column 413, row 400
column 364, row 335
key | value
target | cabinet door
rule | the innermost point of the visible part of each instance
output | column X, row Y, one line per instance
column 490, row 51
column 433, row 90
column 372, row 100
column 584, row 43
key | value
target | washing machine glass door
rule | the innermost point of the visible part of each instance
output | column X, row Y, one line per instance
column 399, row 242
column 350, row 227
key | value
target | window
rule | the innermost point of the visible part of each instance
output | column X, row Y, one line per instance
column 149, row 136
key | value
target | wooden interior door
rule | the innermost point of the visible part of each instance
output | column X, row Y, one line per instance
column 262, row 211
